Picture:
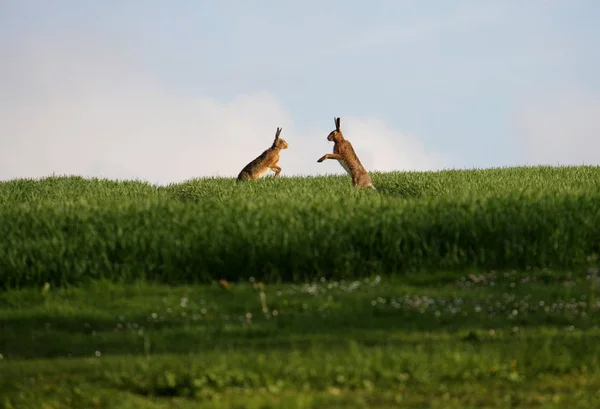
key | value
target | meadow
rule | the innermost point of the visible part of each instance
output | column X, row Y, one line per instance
column 452, row 289
column 70, row 230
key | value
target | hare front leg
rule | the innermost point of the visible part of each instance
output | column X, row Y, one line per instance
column 276, row 169
column 330, row 156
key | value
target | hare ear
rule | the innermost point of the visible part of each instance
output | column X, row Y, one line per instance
column 337, row 124
column 277, row 133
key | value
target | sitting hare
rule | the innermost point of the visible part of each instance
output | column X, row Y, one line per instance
column 345, row 155
column 266, row 161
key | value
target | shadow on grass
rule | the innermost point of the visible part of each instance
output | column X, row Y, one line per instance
column 40, row 336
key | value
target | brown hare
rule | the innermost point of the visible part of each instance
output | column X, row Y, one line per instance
column 345, row 155
column 266, row 161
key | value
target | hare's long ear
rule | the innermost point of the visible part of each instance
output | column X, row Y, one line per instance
column 277, row 133
column 337, row 124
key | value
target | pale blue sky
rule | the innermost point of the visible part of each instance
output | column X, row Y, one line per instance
column 465, row 83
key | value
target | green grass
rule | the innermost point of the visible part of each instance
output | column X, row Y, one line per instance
column 71, row 230
column 454, row 289
column 496, row 340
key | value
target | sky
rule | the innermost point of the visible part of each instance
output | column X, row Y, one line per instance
column 169, row 91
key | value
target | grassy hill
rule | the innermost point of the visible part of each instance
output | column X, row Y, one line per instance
column 65, row 230
column 455, row 289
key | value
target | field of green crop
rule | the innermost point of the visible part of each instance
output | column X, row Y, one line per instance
column 453, row 289
column 69, row 230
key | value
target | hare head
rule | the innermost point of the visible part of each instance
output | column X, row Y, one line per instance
column 278, row 142
column 336, row 135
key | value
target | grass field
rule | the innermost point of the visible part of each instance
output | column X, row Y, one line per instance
column 496, row 340
column 69, row 230
column 453, row 289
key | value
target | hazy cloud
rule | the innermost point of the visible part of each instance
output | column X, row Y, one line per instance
column 561, row 128
column 94, row 113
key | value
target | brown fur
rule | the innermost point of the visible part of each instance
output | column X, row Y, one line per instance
column 265, row 161
column 344, row 153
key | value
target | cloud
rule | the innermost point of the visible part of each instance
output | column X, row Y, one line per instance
column 92, row 111
column 561, row 128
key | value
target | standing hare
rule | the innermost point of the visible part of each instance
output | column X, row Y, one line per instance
column 266, row 161
column 345, row 155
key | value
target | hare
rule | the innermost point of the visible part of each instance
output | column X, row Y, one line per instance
column 266, row 161
column 345, row 155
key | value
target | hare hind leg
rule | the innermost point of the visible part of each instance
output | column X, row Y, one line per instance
column 364, row 180
column 262, row 173
column 243, row 177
